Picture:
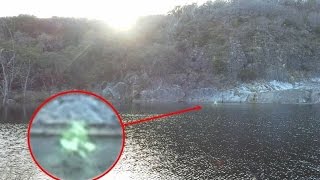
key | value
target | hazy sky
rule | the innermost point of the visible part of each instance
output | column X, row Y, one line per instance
column 117, row 13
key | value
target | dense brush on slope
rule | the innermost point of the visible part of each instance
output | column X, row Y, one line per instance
column 216, row 44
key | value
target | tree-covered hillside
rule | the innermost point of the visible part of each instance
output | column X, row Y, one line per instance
column 218, row 44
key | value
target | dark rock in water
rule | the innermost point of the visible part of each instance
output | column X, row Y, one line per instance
column 201, row 94
column 117, row 92
column 76, row 107
column 167, row 94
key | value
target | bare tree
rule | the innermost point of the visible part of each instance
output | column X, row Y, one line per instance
column 27, row 78
column 9, row 68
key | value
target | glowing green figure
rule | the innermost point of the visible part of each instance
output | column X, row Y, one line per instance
column 76, row 140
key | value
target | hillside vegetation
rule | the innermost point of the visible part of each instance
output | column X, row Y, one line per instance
column 218, row 44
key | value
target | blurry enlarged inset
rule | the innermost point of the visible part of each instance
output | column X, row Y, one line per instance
column 76, row 135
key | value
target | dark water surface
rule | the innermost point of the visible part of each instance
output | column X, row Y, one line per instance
column 16, row 114
column 219, row 142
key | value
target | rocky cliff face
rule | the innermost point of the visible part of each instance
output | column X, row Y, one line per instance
column 239, row 51
column 302, row 92
column 262, row 92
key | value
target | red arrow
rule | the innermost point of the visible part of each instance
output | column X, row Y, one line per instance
column 195, row 108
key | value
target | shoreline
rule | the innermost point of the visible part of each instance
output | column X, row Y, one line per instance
column 263, row 92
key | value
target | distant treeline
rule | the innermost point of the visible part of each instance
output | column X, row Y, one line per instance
column 216, row 44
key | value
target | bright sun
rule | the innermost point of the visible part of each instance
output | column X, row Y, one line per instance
column 123, row 14
column 121, row 23
column 119, row 14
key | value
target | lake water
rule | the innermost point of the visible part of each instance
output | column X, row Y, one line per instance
column 218, row 142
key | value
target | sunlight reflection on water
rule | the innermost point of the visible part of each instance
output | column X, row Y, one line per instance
column 15, row 160
column 221, row 142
